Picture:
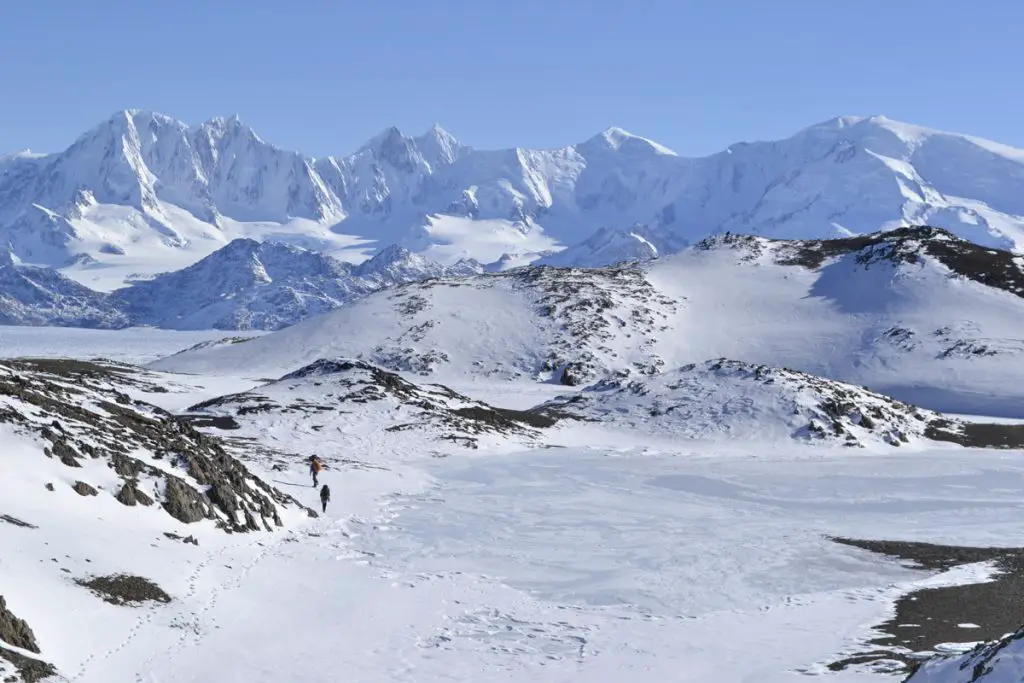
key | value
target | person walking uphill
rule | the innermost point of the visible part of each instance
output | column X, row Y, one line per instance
column 314, row 468
column 325, row 496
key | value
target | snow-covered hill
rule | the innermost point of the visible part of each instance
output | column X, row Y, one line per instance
column 915, row 314
column 33, row 295
column 562, row 325
column 727, row 400
column 333, row 396
column 142, row 192
column 730, row 399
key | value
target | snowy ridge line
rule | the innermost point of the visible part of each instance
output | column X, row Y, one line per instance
column 908, row 245
column 715, row 400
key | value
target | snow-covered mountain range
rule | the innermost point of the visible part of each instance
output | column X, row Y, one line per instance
column 143, row 193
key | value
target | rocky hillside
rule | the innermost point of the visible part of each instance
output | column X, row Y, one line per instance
column 105, row 501
column 74, row 413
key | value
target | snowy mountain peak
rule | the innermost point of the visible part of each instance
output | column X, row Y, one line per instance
column 398, row 264
column 439, row 145
column 613, row 245
column 617, row 139
column 392, row 254
column 231, row 125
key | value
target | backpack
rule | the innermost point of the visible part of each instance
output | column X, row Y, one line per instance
column 325, row 493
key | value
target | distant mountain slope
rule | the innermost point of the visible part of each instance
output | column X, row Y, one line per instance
column 243, row 286
column 613, row 245
column 31, row 295
column 141, row 191
column 917, row 314
column 253, row 285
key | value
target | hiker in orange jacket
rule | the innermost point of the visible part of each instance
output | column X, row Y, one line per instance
column 314, row 468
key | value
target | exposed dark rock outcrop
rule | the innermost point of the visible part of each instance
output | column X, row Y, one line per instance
column 30, row 670
column 17, row 522
column 125, row 589
column 83, row 489
column 184, row 503
column 131, row 495
column 15, row 631
column 927, row 617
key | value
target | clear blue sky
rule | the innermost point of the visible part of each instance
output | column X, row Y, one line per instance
column 696, row 75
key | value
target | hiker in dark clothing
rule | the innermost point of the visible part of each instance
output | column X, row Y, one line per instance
column 325, row 495
column 314, row 468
